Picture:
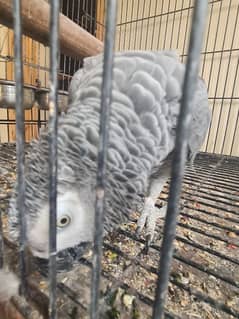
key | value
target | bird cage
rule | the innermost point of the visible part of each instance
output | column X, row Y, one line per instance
column 191, row 268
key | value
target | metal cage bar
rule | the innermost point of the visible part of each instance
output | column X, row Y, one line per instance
column 102, row 153
column 53, row 120
column 1, row 242
column 179, row 160
column 20, row 138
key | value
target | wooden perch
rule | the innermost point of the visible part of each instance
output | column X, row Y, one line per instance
column 74, row 40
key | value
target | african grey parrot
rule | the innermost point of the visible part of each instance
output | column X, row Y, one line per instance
column 147, row 89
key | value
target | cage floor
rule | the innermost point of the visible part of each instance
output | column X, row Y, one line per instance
column 204, row 280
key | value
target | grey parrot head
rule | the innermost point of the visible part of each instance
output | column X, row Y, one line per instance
column 75, row 201
column 75, row 213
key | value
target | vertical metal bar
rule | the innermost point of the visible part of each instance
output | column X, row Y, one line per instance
column 131, row 24
column 230, row 109
column 78, row 22
column 142, row 27
column 31, row 124
column 8, row 126
column 1, row 242
column 154, row 24
column 61, row 6
column 121, row 20
column 166, row 26
column 20, row 138
column 38, row 120
column 147, row 28
column 160, row 24
column 8, row 119
column 73, row 10
column 46, row 66
column 67, row 9
column 186, row 31
column 136, row 26
column 126, row 25
column 32, row 83
column 179, row 160
column 172, row 31
column 91, row 17
column 45, row 117
column 68, row 58
column 207, row 39
column 38, row 77
column 83, row 16
column 235, row 131
column 64, row 78
column 53, row 112
column 71, row 60
column 75, row 19
column 104, row 20
column 102, row 154
column 180, row 23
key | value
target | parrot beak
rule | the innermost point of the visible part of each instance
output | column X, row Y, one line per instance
column 65, row 259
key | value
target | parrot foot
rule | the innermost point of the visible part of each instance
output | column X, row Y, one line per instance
column 148, row 218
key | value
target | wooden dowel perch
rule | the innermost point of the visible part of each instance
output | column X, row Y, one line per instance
column 74, row 40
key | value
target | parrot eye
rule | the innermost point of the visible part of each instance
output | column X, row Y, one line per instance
column 63, row 221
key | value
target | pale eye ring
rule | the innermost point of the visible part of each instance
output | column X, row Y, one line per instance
column 63, row 221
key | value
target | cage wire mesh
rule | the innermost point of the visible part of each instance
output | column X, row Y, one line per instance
column 204, row 279
column 36, row 68
column 162, row 24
